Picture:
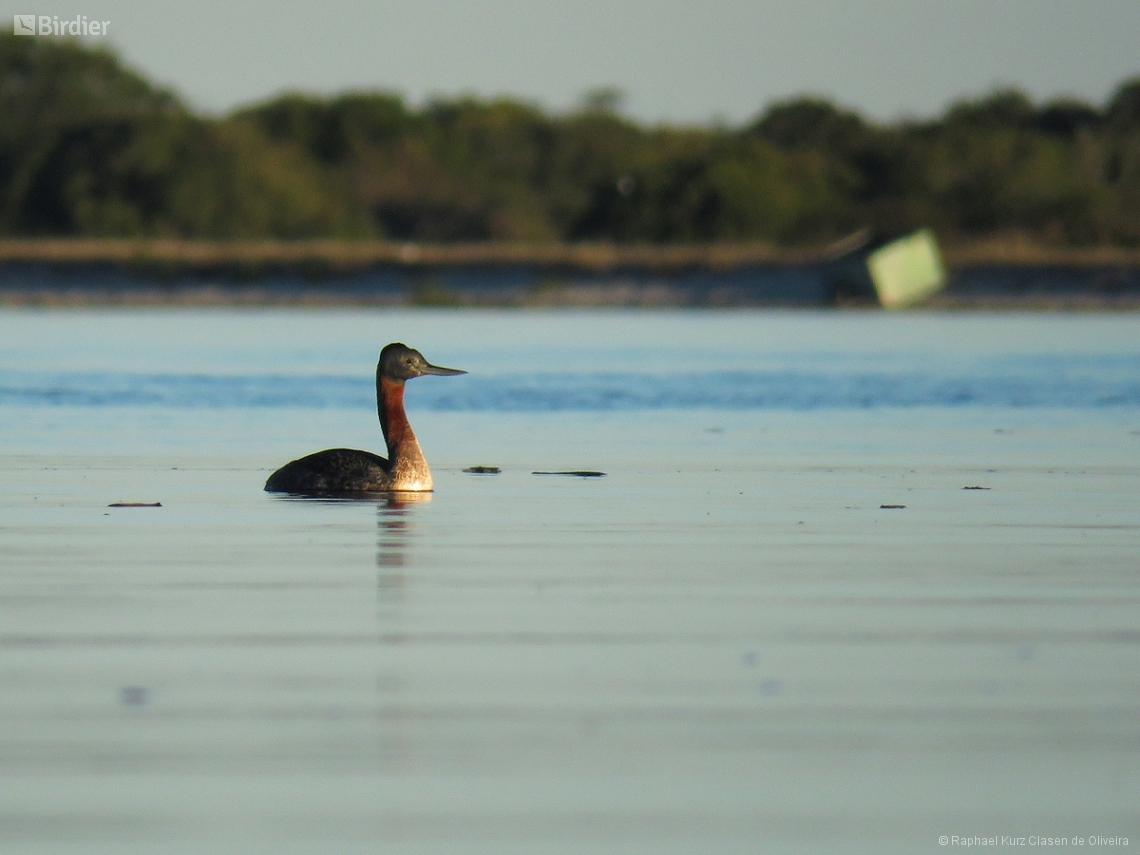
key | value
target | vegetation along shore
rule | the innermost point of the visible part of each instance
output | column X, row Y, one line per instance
column 90, row 148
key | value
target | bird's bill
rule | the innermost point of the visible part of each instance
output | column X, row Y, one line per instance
column 428, row 368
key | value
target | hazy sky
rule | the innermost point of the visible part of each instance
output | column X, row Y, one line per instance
column 675, row 60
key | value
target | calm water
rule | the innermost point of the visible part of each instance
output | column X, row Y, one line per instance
column 727, row 644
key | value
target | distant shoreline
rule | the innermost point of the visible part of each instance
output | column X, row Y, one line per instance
column 985, row 274
column 339, row 255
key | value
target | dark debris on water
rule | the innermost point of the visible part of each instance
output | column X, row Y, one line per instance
column 581, row 473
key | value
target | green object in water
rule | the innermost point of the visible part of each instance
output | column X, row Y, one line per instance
column 908, row 270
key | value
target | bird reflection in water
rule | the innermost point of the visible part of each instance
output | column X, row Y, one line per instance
column 393, row 538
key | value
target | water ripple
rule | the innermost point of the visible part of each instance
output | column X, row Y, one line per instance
column 1047, row 386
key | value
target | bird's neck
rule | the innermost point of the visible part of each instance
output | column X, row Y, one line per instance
column 393, row 419
column 408, row 466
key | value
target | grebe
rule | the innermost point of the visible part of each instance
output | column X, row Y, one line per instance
column 345, row 470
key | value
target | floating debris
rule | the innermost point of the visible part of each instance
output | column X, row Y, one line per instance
column 581, row 473
column 135, row 505
column 891, row 507
column 975, row 488
column 483, row 470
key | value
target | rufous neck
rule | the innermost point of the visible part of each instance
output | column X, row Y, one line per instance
column 393, row 419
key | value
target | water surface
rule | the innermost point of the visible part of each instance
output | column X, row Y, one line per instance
column 727, row 644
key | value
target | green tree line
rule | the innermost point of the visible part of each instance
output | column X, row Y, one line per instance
column 90, row 148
